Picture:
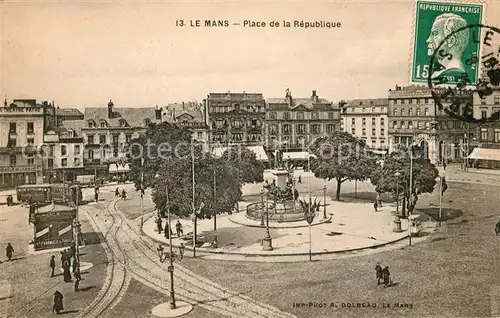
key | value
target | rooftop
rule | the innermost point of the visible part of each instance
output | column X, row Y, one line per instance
column 68, row 112
column 135, row 117
column 54, row 208
column 368, row 102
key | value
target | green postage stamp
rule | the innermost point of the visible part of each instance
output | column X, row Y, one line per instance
column 443, row 34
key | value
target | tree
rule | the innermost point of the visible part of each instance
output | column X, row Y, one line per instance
column 342, row 157
column 250, row 170
column 159, row 141
column 424, row 176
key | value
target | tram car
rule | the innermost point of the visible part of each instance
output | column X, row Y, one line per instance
column 47, row 193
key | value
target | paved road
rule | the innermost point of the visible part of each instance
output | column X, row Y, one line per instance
column 136, row 256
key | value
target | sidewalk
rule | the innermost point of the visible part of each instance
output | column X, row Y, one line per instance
column 483, row 176
column 354, row 227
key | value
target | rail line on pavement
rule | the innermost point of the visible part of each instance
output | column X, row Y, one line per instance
column 116, row 275
column 232, row 300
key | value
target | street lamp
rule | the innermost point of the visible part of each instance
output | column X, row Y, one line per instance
column 171, row 265
column 267, row 241
column 397, row 175
column 324, row 201
column 142, row 192
column 262, row 207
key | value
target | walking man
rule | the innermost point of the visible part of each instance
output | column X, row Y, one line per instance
column 96, row 196
column 9, row 251
column 78, row 278
column 375, row 206
column 117, row 192
column 178, row 228
column 181, row 250
column 52, row 265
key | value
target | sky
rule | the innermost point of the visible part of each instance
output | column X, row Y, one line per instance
column 81, row 54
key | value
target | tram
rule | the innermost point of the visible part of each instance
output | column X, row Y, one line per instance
column 47, row 193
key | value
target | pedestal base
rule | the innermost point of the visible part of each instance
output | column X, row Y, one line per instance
column 164, row 310
column 397, row 225
column 267, row 244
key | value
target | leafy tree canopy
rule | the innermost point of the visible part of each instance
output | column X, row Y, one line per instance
column 342, row 157
column 249, row 169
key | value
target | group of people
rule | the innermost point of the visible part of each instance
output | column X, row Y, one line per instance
column 168, row 230
column 383, row 274
column 69, row 264
column 166, row 255
column 377, row 203
column 123, row 194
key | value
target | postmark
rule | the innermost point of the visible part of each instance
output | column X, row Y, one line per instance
column 453, row 97
column 435, row 22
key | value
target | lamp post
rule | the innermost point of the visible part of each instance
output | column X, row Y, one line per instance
column 142, row 192
column 171, row 265
column 293, row 187
column 397, row 175
column 193, row 204
column 262, row 207
column 267, row 241
column 324, row 201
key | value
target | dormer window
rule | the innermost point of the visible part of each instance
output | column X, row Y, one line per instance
column 103, row 124
column 70, row 134
column 91, row 124
column 123, row 123
column 147, row 122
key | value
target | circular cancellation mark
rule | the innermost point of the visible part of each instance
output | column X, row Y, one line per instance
column 450, row 98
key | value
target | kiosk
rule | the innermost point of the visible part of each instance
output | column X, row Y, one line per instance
column 53, row 226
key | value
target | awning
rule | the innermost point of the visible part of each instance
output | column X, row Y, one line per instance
column 297, row 155
column 485, row 154
column 116, row 168
column 259, row 151
column 379, row 152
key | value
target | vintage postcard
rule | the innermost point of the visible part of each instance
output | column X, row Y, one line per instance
column 250, row 158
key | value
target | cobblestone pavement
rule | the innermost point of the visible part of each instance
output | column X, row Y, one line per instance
column 137, row 256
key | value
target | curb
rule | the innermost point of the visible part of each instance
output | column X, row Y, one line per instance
column 202, row 250
column 327, row 220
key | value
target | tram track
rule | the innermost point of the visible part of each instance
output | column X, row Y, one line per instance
column 136, row 257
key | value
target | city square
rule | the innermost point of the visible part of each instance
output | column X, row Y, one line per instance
column 167, row 159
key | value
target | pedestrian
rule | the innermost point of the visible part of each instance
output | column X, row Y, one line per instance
column 96, row 196
column 78, row 278
column 75, row 265
column 66, row 272
column 159, row 227
column 124, row 194
column 387, row 276
column 9, row 251
column 375, row 206
column 178, row 228
column 160, row 251
column 73, row 249
column 300, row 179
column 378, row 273
column 168, row 230
column 444, row 165
column 181, row 250
column 52, row 265
column 63, row 259
column 117, row 192
column 379, row 200
column 58, row 302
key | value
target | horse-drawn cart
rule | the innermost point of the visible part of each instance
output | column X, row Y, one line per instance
column 415, row 224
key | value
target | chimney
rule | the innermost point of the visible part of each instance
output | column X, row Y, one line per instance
column 173, row 114
column 183, row 107
column 110, row 109
column 314, row 97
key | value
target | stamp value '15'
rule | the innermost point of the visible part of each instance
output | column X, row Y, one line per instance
column 434, row 23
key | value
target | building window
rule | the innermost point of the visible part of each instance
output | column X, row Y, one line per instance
column 382, row 121
column 102, row 139
column 418, row 111
column 353, row 131
column 63, row 151
column 273, row 129
column 300, row 115
column 483, row 114
column 91, row 124
column 395, row 112
column 237, row 124
column 301, row 128
column 199, row 135
column 77, row 149
column 382, row 144
column 316, row 128
column 91, row 154
column 76, row 162
column 394, row 124
column 31, row 160
column 410, row 124
column 373, row 144
column 363, row 121
column 12, row 128
column 410, row 101
column 31, row 128
column 330, row 128
column 286, row 115
column 115, row 152
column 417, row 100
column 315, row 115
column 382, row 131
column 64, row 162
column 402, row 124
column 426, row 112
column 31, row 141
column 147, row 122
column 373, row 131
column 497, row 99
column 497, row 135
column 353, row 121
column 410, row 112
column 426, row 101
column 103, row 124
column 236, row 107
column 12, row 160
column 373, row 121
column 403, row 102
column 484, row 134
column 287, row 129
column 115, row 139
column 331, row 115
column 483, row 101
column 402, row 112
column 90, row 139
column 272, row 115
column 363, row 132
column 50, row 163
column 373, row 109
